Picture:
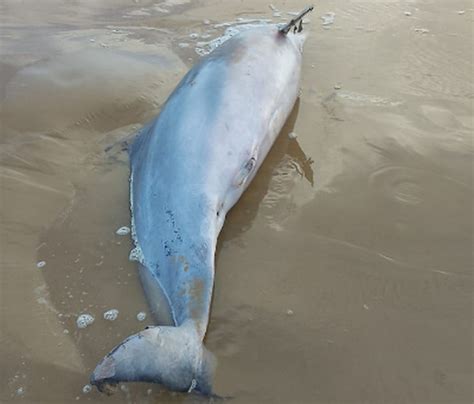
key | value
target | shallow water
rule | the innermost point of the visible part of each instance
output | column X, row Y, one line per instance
column 344, row 274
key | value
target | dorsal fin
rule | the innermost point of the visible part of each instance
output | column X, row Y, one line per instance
column 294, row 21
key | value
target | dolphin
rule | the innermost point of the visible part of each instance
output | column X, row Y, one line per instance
column 188, row 168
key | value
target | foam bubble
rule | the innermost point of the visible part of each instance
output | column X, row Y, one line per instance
column 136, row 255
column 192, row 386
column 111, row 315
column 232, row 28
column 141, row 316
column 84, row 320
column 123, row 231
column 40, row 264
column 328, row 19
column 87, row 389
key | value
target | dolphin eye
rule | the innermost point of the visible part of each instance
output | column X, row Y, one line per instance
column 250, row 164
column 244, row 172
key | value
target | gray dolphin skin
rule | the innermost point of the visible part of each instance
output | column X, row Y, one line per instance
column 188, row 168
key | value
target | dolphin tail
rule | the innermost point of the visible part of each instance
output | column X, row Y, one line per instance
column 171, row 356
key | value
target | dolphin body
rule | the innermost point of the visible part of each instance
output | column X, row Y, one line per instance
column 188, row 168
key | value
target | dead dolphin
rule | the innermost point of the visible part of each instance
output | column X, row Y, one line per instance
column 188, row 168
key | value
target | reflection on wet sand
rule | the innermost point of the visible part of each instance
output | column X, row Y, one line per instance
column 344, row 272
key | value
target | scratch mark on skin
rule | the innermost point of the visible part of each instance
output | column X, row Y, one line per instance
column 196, row 296
column 201, row 252
column 181, row 262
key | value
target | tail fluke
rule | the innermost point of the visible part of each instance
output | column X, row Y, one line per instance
column 171, row 356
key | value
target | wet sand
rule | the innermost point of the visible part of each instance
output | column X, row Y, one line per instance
column 344, row 274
